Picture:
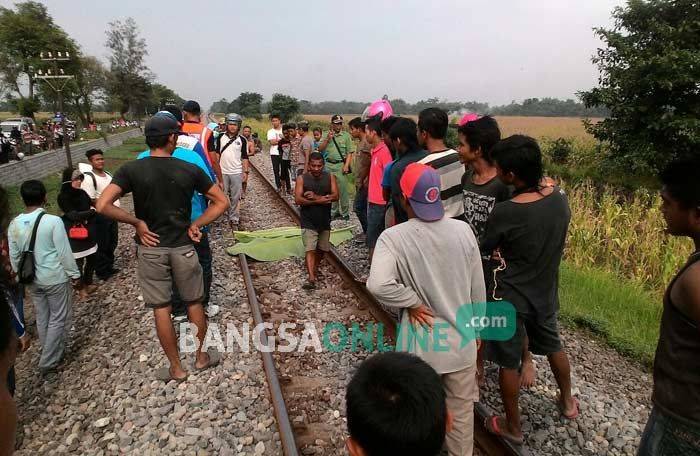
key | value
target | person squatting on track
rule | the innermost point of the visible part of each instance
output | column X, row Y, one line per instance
column 674, row 425
column 395, row 404
column 315, row 191
column 232, row 153
column 190, row 150
column 339, row 148
column 163, row 187
column 529, row 231
column 431, row 293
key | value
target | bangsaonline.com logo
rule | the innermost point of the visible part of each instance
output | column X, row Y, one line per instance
column 486, row 321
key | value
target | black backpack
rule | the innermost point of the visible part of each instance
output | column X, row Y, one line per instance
column 27, row 267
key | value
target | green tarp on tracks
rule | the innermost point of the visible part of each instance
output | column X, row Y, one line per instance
column 278, row 243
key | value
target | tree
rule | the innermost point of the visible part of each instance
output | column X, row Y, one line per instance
column 162, row 96
column 90, row 86
column 129, row 84
column 219, row 106
column 284, row 106
column 649, row 75
column 24, row 33
column 248, row 104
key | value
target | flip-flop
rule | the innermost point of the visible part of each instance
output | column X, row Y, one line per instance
column 214, row 360
column 571, row 416
column 163, row 374
column 491, row 424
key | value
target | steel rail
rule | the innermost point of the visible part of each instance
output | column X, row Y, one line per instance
column 286, row 433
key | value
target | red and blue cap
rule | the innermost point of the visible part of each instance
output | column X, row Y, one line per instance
column 420, row 184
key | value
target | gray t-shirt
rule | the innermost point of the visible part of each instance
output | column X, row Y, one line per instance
column 436, row 264
column 306, row 147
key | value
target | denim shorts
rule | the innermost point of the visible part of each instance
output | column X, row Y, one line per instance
column 375, row 223
column 667, row 436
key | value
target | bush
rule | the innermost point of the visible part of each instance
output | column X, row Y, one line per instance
column 560, row 150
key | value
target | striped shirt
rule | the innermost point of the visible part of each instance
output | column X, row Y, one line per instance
column 450, row 170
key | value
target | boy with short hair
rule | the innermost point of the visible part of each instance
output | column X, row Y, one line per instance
column 285, row 150
column 530, row 231
column 306, row 146
column 674, row 425
column 361, row 166
column 274, row 135
column 55, row 266
column 395, row 404
column 315, row 191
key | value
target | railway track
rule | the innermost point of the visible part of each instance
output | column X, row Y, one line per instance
column 292, row 444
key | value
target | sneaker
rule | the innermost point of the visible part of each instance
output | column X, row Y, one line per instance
column 179, row 318
column 212, row 310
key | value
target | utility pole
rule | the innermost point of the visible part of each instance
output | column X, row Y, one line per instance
column 58, row 74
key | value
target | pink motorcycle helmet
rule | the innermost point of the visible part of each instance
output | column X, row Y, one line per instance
column 468, row 117
column 380, row 108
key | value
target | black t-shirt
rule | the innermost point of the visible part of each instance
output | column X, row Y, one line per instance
column 285, row 148
column 480, row 199
column 163, row 189
column 316, row 216
column 397, row 170
column 531, row 239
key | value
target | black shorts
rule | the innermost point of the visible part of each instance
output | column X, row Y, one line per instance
column 543, row 339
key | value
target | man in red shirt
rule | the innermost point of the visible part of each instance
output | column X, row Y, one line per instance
column 376, row 204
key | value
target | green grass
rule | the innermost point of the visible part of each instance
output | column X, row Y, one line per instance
column 114, row 158
column 621, row 312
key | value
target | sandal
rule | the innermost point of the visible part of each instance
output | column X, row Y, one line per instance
column 491, row 424
column 164, row 374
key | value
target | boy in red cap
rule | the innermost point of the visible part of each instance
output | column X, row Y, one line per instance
column 405, row 275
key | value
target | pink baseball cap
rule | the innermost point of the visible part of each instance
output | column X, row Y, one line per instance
column 420, row 184
column 468, row 117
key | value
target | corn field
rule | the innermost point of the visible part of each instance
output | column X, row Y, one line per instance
column 623, row 235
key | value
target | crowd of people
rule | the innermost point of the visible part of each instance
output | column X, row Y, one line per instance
column 446, row 231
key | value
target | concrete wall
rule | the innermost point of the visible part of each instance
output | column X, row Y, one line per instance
column 41, row 165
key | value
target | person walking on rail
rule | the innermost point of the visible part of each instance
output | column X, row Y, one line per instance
column 193, row 126
column 395, row 404
column 315, row 191
column 163, row 187
column 432, row 294
column 529, row 230
column 232, row 154
column 432, row 130
column 674, row 425
column 106, row 230
column 274, row 135
column 339, row 148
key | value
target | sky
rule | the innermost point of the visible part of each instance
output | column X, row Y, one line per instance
column 461, row 50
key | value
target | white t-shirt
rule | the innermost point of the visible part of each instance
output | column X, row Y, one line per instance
column 231, row 159
column 274, row 134
column 102, row 182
